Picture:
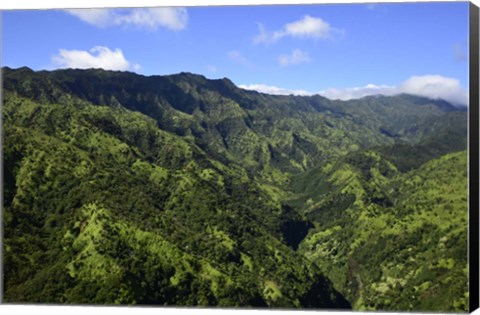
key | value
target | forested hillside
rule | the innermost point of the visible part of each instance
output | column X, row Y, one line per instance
column 180, row 190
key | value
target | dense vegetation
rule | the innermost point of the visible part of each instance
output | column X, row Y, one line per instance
column 180, row 190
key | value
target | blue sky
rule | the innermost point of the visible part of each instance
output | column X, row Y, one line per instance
column 338, row 50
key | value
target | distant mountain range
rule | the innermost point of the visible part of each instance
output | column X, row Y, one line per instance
column 180, row 190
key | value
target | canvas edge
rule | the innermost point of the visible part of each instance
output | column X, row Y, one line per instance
column 474, row 158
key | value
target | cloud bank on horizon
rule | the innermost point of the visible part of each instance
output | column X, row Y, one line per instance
column 430, row 86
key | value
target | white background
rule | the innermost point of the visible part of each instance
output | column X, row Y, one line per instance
column 89, row 310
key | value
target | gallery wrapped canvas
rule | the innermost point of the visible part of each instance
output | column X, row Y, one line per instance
column 320, row 156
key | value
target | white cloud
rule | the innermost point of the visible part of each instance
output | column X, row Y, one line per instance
column 430, row 86
column 436, row 87
column 97, row 17
column 307, row 27
column 150, row 18
column 212, row 68
column 97, row 57
column 297, row 56
column 358, row 92
column 270, row 89
column 262, row 36
column 237, row 57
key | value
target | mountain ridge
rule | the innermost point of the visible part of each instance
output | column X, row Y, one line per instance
column 162, row 94
column 229, row 82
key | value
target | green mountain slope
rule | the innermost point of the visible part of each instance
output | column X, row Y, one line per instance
column 266, row 133
column 179, row 190
column 391, row 240
column 103, row 207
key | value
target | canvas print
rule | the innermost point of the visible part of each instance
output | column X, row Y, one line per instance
column 285, row 156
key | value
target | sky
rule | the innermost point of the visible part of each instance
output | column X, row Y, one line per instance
column 341, row 51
